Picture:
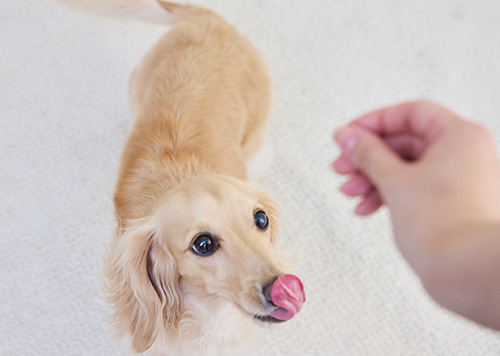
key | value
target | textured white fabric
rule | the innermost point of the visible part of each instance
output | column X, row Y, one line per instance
column 64, row 118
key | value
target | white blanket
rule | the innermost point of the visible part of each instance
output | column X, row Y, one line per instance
column 64, row 118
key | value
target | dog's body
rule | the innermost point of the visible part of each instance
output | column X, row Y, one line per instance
column 200, row 97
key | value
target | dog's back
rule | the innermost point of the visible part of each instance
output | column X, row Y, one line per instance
column 203, row 89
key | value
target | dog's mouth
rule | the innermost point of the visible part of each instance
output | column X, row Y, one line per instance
column 286, row 296
column 268, row 319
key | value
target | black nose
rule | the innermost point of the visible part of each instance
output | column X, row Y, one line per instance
column 266, row 291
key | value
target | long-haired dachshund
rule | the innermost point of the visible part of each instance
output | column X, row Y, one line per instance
column 193, row 266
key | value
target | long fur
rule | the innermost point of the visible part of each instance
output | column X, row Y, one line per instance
column 200, row 97
column 137, row 311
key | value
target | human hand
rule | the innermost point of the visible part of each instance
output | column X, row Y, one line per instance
column 439, row 175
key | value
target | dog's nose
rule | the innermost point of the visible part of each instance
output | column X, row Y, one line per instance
column 266, row 291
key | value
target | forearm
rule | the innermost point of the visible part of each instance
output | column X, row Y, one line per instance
column 463, row 274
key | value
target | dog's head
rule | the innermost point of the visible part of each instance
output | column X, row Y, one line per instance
column 212, row 236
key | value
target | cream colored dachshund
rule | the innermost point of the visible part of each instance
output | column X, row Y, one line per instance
column 193, row 268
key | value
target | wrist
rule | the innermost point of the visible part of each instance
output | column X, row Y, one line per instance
column 461, row 271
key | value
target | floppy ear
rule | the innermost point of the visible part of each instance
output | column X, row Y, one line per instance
column 141, row 281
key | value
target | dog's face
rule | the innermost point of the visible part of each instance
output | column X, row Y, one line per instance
column 212, row 236
column 222, row 233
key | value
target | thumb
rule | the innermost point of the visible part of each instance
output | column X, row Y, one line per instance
column 369, row 154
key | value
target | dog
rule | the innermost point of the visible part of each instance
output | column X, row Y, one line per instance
column 193, row 267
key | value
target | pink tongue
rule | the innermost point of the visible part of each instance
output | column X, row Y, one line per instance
column 288, row 294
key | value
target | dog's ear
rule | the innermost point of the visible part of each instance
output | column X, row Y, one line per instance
column 141, row 280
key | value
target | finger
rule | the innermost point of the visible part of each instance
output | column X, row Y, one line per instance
column 343, row 165
column 407, row 146
column 370, row 204
column 370, row 154
column 356, row 186
column 424, row 119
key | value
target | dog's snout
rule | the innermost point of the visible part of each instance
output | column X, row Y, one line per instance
column 266, row 291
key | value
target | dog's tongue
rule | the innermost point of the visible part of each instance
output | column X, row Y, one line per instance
column 288, row 294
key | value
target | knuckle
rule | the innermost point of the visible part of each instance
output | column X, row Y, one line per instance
column 481, row 134
column 423, row 102
column 425, row 105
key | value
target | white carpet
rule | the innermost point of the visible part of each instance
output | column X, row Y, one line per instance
column 64, row 118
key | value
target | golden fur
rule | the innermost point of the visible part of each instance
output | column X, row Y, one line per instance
column 200, row 97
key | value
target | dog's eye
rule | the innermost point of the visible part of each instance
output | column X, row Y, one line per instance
column 261, row 220
column 204, row 245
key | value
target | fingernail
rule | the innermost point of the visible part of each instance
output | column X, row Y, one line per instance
column 346, row 138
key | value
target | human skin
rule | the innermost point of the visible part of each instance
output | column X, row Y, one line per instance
column 439, row 176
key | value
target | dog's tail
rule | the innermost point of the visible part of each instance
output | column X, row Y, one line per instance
column 157, row 11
